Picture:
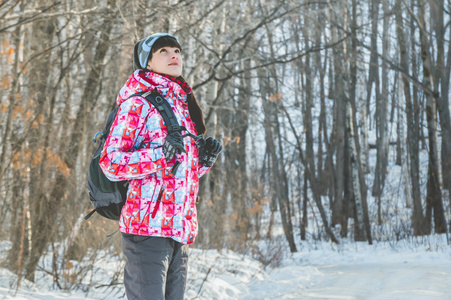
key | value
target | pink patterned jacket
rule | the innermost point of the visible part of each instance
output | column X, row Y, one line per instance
column 158, row 202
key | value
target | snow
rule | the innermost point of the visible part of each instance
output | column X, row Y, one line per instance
column 394, row 280
column 415, row 268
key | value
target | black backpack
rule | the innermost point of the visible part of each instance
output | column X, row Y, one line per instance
column 108, row 197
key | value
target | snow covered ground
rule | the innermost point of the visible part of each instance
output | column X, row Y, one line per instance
column 419, row 268
column 392, row 280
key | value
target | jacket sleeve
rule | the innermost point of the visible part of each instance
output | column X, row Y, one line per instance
column 203, row 170
column 123, row 157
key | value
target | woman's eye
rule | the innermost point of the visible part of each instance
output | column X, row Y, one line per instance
column 177, row 51
column 162, row 50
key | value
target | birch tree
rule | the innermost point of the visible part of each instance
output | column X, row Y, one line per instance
column 434, row 201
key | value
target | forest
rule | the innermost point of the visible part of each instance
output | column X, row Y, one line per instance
column 322, row 106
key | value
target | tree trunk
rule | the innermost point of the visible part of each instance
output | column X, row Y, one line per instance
column 434, row 195
column 279, row 183
column 373, row 72
column 21, row 236
column 412, row 126
column 45, row 211
column 381, row 119
column 314, row 185
column 362, row 224
column 403, row 147
column 340, row 205
column 304, row 220
column 442, row 76
column 272, row 136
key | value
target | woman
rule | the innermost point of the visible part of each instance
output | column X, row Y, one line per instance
column 159, row 218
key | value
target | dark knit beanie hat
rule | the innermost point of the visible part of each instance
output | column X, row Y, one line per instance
column 143, row 49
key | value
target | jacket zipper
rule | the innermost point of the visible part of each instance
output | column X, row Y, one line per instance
column 158, row 202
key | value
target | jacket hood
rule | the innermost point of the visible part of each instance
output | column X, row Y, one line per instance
column 141, row 81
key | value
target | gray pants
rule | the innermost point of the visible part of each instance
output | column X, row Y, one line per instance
column 155, row 267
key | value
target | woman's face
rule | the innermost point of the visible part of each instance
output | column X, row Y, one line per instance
column 166, row 60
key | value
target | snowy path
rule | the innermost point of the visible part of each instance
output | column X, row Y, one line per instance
column 382, row 271
column 381, row 281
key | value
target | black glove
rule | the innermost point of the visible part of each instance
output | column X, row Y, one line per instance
column 173, row 143
column 209, row 151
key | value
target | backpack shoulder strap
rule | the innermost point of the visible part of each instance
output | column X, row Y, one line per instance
column 166, row 112
column 163, row 107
